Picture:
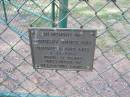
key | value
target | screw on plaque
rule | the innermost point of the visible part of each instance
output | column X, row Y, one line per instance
column 56, row 70
column 77, row 71
column 33, row 31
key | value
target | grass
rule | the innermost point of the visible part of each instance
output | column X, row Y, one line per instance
column 82, row 10
column 104, row 14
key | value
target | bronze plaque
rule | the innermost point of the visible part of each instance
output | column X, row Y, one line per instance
column 59, row 48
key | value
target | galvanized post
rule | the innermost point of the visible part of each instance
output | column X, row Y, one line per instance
column 62, row 13
column 4, row 8
column 53, row 13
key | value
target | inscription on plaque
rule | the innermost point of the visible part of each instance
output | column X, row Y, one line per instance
column 71, row 49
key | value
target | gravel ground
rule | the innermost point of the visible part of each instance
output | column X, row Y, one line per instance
column 108, row 78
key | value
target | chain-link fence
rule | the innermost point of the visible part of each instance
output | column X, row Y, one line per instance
column 111, row 74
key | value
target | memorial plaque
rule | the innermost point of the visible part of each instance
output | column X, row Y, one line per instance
column 68, row 49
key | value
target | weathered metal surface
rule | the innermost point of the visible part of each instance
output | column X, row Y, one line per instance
column 70, row 49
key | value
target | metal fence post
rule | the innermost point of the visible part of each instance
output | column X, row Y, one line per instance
column 4, row 8
column 53, row 13
column 62, row 13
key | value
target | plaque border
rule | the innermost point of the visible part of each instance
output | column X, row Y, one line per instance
column 62, row 29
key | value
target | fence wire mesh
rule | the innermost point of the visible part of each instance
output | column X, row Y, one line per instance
column 111, row 74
